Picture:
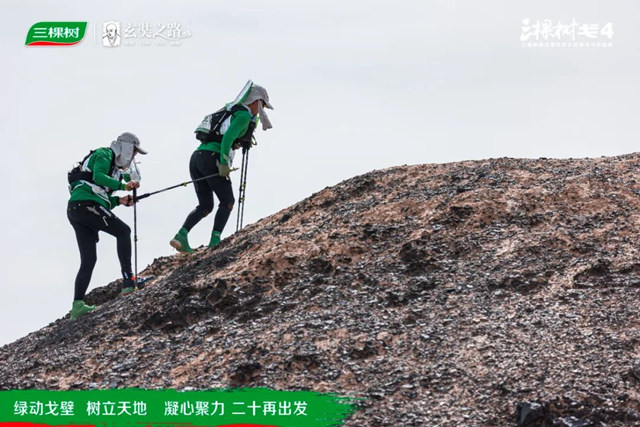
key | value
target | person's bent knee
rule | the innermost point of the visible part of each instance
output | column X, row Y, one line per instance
column 228, row 203
column 205, row 208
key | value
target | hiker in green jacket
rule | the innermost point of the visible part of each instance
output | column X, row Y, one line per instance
column 235, row 127
column 89, row 211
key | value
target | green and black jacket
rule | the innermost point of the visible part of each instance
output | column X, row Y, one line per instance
column 236, row 128
column 106, row 179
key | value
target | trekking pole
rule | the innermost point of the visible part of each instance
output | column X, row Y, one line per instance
column 182, row 184
column 240, row 198
column 135, row 236
column 243, row 188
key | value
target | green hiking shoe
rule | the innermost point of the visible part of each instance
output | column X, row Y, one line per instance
column 79, row 308
column 180, row 242
column 215, row 239
column 128, row 290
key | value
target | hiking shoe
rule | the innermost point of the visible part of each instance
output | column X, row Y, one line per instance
column 141, row 281
column 215, row 239
column 79, row 308
column 128, row 290
column 129, row 286
column 181, row 243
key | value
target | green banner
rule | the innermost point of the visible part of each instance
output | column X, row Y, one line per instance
column 237, row 407
column 55, row 33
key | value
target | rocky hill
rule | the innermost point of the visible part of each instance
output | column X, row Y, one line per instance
column 497, row 292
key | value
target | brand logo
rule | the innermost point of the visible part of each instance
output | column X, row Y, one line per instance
column 131, row 34
column 56, row 33
column 111, row 34
column 547, row 33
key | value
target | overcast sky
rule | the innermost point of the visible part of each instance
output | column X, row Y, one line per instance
column 356, row 86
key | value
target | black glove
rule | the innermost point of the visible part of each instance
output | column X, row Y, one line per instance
column 246, row 140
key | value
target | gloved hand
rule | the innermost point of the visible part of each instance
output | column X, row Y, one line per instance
column 224, row 170
column 131, row 185
column 126, row 200
column 246, row 145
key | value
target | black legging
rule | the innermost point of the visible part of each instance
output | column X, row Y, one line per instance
column 204, row 163
column 87, row 218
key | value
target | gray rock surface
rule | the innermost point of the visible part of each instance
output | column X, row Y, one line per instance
column 497, row 292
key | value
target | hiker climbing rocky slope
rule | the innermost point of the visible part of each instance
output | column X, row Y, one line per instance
column 489, row 292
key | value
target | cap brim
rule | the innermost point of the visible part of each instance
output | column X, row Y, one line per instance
column 267, row 104
column 141, row 151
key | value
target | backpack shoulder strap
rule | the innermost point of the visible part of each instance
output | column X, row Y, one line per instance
column 86, row 157
column 112, row 165
column 238, row 107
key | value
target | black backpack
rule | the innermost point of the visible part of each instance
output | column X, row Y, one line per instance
column 209, row 128
column 77, row 174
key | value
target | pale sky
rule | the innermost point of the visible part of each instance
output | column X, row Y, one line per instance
column 356, row 86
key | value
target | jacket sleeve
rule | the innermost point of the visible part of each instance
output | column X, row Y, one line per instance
column 114, row 201
column 101, row 171
column 238, row 125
